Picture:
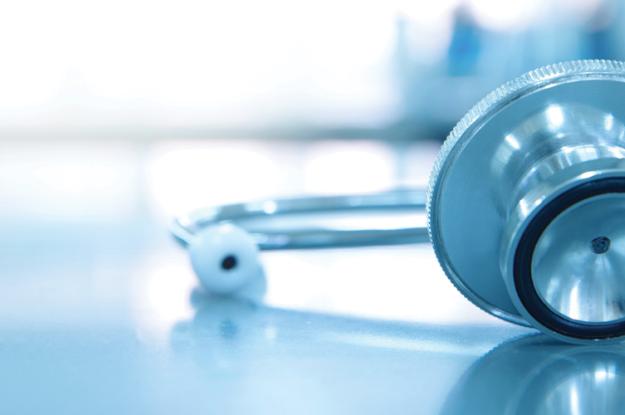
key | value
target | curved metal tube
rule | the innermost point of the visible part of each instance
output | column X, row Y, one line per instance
column 184, row 228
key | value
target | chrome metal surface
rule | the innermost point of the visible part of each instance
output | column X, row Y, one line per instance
column 299, row 235
column 578, row 266
column 533, row 375
column 518, row 149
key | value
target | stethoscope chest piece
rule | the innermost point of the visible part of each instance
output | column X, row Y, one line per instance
column 526, row 204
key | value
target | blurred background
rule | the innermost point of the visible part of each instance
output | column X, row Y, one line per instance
column 277, row 69
column 117, row 115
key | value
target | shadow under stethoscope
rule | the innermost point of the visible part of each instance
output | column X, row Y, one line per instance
column 538, row 375
column 226, row 331
column 527, row 375
column 228, row 321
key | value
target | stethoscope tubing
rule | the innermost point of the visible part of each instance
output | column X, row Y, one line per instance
column 184, row 228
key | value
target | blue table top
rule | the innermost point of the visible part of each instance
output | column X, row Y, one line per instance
column 100, row 313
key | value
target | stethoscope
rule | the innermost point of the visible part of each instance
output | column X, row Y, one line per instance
column 525, row 209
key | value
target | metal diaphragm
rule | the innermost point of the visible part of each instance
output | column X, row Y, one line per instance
column 526, row 206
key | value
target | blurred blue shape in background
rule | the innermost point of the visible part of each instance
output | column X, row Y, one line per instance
column 393, row 70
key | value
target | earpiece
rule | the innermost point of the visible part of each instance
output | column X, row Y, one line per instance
column 226, row 261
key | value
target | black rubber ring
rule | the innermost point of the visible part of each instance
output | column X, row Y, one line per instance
column 525, row 252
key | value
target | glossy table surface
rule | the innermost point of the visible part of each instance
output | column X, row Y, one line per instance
column 99, row 311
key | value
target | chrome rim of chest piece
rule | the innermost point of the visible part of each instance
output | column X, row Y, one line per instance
column 526, row 204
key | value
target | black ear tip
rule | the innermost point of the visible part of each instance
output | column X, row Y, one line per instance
column 229, row 262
